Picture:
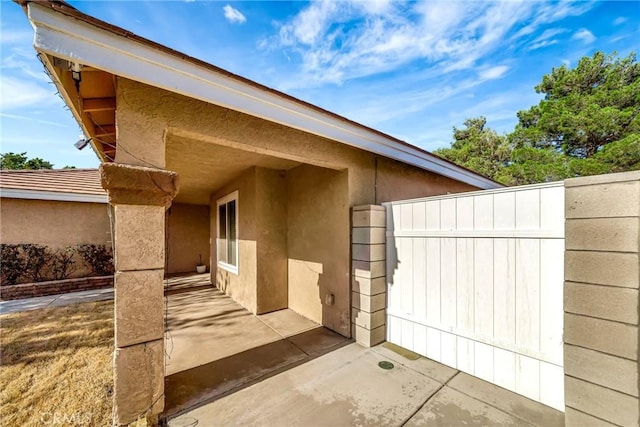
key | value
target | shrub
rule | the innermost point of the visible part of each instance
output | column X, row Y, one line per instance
column 36, row 257
column 62, row 263
column 29, row 262
column 98, row 257
column 12, row 267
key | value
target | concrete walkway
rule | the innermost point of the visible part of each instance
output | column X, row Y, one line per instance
column 55, row 300
column 348, row 387
column 182, row 281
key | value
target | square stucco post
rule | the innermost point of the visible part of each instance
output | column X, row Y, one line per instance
column 368, row 279
column 601, row 300
column 139, row 197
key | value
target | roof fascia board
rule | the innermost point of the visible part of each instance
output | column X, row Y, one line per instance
column 11, row 193
column 527, row 187
column 71, row 39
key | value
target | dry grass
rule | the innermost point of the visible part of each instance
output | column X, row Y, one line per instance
column 55, row 366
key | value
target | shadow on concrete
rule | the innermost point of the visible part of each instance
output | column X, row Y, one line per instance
column 203, row 384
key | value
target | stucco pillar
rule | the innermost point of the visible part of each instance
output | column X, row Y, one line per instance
column 139, row 196
column 602, row 279
column 368, row 279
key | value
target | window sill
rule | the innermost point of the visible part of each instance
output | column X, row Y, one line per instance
column 228, row 267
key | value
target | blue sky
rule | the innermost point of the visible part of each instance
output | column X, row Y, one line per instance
column 410, row 69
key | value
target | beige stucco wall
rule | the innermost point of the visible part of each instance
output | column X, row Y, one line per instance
column 271, row 234
column 261, row 283
column 318, row 245
column 53, row 223
column 398, row 181
column 241, row 287
column 146, row 115
column 187, row 237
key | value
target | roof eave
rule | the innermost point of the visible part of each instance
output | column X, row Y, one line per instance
column 61, row 196
column 73, row 39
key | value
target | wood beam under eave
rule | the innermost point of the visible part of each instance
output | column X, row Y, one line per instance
column 90, row 105
column 105, row 130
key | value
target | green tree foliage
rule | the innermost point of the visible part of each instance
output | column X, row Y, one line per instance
column 529, row 165
column 588, row 123
column 478, row 148
column 584, row 108
column 17, row 161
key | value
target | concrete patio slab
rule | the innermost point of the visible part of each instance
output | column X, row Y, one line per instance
column 317, row 341
column 287, row 322
column 344, row 387
column 452, row 408
column 215, row 346
column 347, row 387
column 188, row 388
column 187, row 281
column 205, row 325
column 528, row 410
column 428, row 367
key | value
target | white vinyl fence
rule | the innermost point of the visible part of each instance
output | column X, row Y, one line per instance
column 475, row 281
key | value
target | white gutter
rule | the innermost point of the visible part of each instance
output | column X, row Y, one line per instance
column 71, row 39
column 10, row 193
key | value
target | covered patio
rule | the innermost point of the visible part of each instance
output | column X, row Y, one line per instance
column 214, row 346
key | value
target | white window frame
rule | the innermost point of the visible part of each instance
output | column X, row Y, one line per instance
column 223, row 201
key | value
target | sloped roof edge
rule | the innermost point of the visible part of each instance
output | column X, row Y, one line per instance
column 64, row 32
column 68, row 185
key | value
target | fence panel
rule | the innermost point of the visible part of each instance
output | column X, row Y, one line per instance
column 475, row 281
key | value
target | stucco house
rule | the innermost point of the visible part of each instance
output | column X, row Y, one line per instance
column 278, row 177
column 68, row 207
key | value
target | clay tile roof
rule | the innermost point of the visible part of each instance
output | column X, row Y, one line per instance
column 79, row 181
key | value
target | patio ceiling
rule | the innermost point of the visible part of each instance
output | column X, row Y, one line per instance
column 204, row 167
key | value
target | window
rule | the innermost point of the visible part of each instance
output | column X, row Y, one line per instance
column 228, row 232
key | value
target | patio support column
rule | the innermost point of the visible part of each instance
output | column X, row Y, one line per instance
column 368, row 279
column 139, row 197
column 602, row 277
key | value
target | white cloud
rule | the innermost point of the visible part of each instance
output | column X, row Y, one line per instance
column 375, row 7
column 493, row 73
column 339, row 41
column 619, row 20
column 233, row 15
column 32, row 119
column 615, row 39
column 542, row 44
column 549, row 33
column 16, row 37
column 17, row 93
column 24, row 61
column 546, row 38
column 584, row 35
column 310, row 23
